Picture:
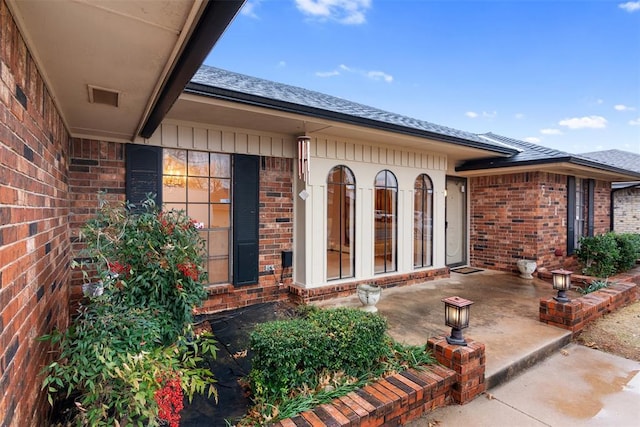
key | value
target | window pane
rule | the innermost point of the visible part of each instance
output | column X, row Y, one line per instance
column 220, row 190
column 174, row 162
column 198, row 190
column 385, row 222
column 220, row 165
column 175, row 206
column 340, row 224
column 174, row 188
column 198, row 163
column 220, row 215
column 218, row 270
column 219, row 243
column 199, row 212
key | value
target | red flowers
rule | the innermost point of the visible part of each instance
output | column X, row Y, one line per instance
column 118, row 268
column 189, row 270
column 170, row 401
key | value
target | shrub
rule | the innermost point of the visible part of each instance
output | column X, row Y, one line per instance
column 607, row 254
column 130, row 355
column 598, row 254
column 292, row 353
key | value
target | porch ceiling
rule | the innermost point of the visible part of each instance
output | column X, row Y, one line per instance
column 210, row 111
column 128, row 47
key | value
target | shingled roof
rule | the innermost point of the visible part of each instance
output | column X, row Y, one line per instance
column 221, row 84
column 619, row 158
column 534, row 154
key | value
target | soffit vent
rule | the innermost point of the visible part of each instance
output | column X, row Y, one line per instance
column 99, row 95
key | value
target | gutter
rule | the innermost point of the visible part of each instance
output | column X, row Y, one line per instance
column 200, row 89
column 215, row 19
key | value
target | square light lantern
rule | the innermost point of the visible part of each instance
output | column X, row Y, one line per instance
column 456, row 316
column 562, row 283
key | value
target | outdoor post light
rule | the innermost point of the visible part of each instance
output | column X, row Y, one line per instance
column 456, row 315
column 561, row 282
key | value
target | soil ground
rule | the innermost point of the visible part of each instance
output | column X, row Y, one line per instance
column 616, row 333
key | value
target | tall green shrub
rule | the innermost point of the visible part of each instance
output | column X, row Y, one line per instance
column 607, row 254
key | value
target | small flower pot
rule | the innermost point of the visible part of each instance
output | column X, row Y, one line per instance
column 369, row 296
column 526, row 267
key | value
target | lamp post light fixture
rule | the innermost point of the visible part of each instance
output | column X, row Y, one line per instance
column 562, row 282
column 456, row 315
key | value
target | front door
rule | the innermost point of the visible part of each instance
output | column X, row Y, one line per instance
column 456, row 221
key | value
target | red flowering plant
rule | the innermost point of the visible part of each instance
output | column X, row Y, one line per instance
column 130, row 355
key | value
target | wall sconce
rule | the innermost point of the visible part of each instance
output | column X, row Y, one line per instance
column 561, row 282
column 456, row 315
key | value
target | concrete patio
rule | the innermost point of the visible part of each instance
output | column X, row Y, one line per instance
column 504, row 316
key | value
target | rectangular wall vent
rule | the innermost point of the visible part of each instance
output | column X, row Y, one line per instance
column 98, row 95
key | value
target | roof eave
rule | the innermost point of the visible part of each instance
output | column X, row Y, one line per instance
column 289, row 107
column 214, row 21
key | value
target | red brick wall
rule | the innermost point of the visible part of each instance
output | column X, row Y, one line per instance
column 524, row 215
column 34, row 239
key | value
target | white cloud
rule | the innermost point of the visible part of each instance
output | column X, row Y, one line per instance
column 550, row 131
column 630, row 6
column 373, row 75
column 519, row 116
column 351, row 12
column 590, row 122
column 622, row 107
column 379, row 75
column 532, row 139
column 327, row 73
column 635, row 122
column 249, row 8
column 471, row 114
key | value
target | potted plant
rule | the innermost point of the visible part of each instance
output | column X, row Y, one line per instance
column 369, row 295
column 526, row 267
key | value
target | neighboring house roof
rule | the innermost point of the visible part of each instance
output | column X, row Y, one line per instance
column 230, row 86
column 533, row 154
column 620, row 158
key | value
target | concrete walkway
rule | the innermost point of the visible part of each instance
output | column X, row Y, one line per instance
column 568, row 384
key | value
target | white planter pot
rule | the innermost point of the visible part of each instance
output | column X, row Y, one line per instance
column 526, row 267
column 369, row 296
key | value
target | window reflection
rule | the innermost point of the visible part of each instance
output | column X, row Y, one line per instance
column 423, row 222
column 341, row 206
column 386, row 222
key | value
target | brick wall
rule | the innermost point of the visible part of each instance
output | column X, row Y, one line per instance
column 34, row 239
column 524, row 215
column 626, row 210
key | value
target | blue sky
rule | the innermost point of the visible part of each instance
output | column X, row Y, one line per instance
column 563, row 74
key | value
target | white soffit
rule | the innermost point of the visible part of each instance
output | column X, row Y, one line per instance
column 127, row 47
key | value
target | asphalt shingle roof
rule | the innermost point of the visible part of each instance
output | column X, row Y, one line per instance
column 618, row 158
column 211, row 81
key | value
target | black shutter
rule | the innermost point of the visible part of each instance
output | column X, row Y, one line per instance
column 246, row 184
column 571, row 213
column 590, row 206
column 144, row 173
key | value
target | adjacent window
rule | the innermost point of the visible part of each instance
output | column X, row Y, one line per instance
column 386, row 222
column 423, row 222
column 341, row 225
column 580, row 211
column 200, row 183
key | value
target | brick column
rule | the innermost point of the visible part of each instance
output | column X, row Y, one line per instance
column 468, row 362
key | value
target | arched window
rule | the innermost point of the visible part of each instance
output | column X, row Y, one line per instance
column 423, row 222
column 341, row 223
column 386, row 222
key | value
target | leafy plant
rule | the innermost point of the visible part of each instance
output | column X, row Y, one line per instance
column 607, row 254
column 301, row 363
column 130, row 356
column 593, row 286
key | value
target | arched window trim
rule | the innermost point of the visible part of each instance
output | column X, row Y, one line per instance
column 386, row 222
column 346, row 226
column 425, row 239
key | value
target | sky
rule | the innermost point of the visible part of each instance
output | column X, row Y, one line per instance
column 562, row 74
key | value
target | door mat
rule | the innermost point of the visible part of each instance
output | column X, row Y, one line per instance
column 466, row 270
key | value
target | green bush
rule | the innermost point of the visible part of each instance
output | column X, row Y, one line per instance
column 130, row 356
column 607, row 254
column 595, row 285
column 292, row 353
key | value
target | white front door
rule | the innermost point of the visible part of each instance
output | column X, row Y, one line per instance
column 456, row 221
